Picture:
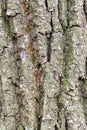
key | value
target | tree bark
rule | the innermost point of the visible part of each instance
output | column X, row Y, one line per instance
column 43, row 65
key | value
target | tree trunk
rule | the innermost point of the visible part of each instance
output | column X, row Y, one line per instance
column 43, row 65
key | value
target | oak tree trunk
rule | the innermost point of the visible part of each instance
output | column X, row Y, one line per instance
column 43, row 64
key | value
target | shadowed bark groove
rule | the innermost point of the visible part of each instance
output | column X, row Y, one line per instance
column 49, row 35
column 85, row 8
column 49, row 40
column 46, row 3
column 18, row 93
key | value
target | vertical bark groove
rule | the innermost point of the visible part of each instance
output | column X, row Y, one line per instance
column 85, row 9
column 49, row 38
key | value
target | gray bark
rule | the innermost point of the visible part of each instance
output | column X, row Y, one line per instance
column 43, row 65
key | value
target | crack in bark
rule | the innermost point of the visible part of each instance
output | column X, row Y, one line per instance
column 3, row 50
column 1, row 96
column 23, row 127
column 66, row 124
column 86, row 66
column 76, row 25
column 49, row 39
column 46, row 4
column 0, row 106
column 17, row 61
column 16, row 57
column 59, row 106
column 39, row 99
column 85, row 9
column 49, row 35
column 55, row 127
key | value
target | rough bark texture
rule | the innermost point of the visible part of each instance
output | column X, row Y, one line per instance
column 43, row 64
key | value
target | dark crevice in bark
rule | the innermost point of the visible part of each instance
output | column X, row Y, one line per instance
column 59, row 114
column 3, row 50
column 41, row 33
column 66, row 124
column 86, row 66
column 39, row 111
column 39, row 123
column 49, row 35
column 76, row 25
column 49, row 40
column 65, row 55
column 16, row 14
column 0, row 106
column 55, row 127
column 39, row 101
column 59, row 106
column 46, row 4
column 1, row 94
column 60, row 83
column 85, row 9
column 67, row 93
column 85, row 117
column 20, row 127
column 81, row 79
column 39, row 83
column 23, row 127
column 17, row 60
column 84, row 97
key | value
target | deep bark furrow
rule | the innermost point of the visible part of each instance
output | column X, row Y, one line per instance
column 86, row 66
column 85, row 9
column 49, row 39
column 66, row 124
column 46, row 4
